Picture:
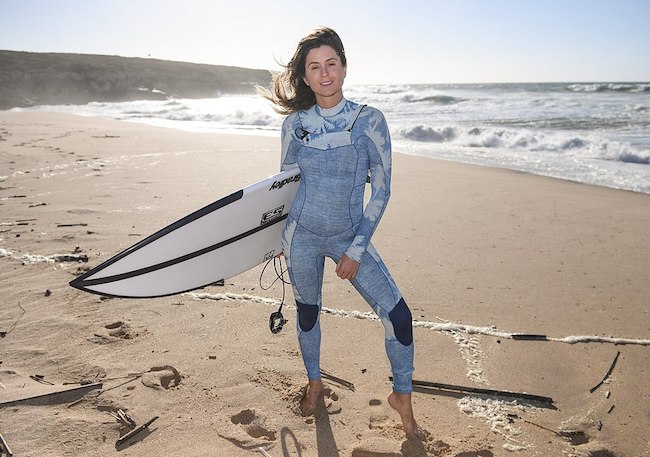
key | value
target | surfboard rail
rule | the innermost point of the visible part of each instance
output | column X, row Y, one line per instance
column 222, row 239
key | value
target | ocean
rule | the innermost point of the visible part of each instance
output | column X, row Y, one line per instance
column 593, row 133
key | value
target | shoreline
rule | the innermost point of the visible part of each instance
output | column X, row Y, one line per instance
column 270, row 133
column 479, row 253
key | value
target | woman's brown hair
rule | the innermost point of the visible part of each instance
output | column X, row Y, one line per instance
column 288, row 91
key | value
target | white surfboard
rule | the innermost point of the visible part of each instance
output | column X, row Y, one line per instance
column 219, row 241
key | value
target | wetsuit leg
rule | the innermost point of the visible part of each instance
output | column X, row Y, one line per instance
column 305, row 265
column 377, row 287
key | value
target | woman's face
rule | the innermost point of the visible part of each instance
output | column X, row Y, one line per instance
column 324, row 74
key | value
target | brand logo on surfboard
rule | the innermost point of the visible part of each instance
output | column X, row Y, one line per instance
column 280, row 184
column 272, row 215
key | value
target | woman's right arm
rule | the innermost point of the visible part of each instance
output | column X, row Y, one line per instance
column 290, row 144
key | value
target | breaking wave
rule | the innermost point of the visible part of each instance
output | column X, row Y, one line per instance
column 433, row 99
column 528, row 145
column 609, row 87
column 593, row 133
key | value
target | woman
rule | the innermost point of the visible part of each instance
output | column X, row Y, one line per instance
column 336, row 143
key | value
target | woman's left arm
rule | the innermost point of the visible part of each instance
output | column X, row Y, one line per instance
column 378, row 145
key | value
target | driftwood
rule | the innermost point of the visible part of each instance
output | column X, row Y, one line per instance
column 607, row 375
column 4, row 447
column 476, row 390
column 342, row 382
column 124, row 438
column 529, row 337
column 65, row 391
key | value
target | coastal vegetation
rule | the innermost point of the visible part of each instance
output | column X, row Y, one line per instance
column 28, row 79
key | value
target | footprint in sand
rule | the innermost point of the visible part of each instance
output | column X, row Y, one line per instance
column 248, row 430
column 377, row 447
column 253, row 425
column 116, row 330
column 331, row 400
column 327, row 403
column 161, row 377
column 382, row 418
column 582, row 434
column 379, row 414
column 121, row 329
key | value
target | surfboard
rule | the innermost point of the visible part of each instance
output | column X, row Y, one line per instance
column 218, row 241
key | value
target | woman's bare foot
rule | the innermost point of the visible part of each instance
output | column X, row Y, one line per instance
column 309, row 402
column 402, row 404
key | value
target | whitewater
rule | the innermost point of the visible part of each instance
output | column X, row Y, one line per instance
column 593, row 133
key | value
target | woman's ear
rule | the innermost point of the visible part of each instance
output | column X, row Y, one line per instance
column 306, row 83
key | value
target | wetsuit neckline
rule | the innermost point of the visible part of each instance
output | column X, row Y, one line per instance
column 328, row 112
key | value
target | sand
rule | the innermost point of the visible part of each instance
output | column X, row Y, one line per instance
column 482, row 255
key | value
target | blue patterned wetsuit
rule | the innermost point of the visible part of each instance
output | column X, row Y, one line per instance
column 335, row 149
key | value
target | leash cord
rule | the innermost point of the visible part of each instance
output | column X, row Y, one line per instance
column 276, row 320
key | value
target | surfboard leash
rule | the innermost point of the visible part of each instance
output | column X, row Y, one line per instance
column 276, row 319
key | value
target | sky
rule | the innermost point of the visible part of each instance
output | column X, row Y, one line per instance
column 387, row 42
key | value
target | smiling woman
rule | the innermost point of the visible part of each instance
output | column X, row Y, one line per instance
column 320, row 60
column 324, row 75
column 336, row 144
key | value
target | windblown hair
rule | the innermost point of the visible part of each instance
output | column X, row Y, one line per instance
column 288, row 91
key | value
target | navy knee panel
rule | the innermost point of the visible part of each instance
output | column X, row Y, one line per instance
column 307, row 316
column 402, row 322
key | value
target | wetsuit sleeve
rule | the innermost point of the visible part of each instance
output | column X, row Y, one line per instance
column 376, row 141
column 289, row 143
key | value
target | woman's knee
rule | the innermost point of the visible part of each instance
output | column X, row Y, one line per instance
column 402, row 321
column 307, row 316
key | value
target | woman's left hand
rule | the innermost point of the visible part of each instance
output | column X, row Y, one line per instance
column 347, row 268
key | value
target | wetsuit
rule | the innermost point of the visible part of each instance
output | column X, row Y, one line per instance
column 335, row 150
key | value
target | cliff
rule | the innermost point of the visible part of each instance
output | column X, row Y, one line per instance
column 28, row 79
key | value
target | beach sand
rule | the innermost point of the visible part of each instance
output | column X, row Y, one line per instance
column 481, row 256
